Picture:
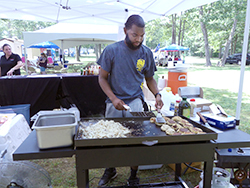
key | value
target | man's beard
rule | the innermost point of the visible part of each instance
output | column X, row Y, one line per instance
column 130, row 44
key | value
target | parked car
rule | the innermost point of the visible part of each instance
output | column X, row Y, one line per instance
column 236, row 58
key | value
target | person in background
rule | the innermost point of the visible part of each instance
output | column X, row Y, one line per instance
column 124, row 65
column 183, row 56
column 10, row 63
column 170, row 58
column 175, row 59
column 42, row 61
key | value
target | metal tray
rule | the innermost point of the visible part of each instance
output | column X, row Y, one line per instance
column 144, row 132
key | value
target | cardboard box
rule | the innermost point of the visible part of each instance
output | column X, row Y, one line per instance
column 220, row 122
column 183, row 166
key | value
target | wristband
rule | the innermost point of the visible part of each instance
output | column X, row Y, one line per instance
column 157, row 94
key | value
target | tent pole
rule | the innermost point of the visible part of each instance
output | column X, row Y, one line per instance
column 62, row 51
column 243, row 64
column 96, row 52
column 100, row 50
column 26, row 61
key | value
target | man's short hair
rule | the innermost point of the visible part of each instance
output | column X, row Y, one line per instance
column 134, row 19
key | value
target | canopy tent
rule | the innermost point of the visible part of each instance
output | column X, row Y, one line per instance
column 109, row 12
column 67, row 35
column 94, row 11
column 46, row 44
column 174, row 47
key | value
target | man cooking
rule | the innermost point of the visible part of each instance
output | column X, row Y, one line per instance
column 124, row 65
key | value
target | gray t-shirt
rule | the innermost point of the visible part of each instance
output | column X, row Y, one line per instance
column 127, row 69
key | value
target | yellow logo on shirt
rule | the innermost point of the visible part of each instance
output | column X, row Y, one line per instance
column 141, row 86
column 140, row 64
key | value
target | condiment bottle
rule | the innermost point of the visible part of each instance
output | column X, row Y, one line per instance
column 193, row 106
column 184, row 108
column 81, row 71
column 176, row 107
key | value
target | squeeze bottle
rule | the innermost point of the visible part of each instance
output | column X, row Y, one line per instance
column 193, row 106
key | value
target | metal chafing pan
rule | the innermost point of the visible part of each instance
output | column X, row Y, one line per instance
column 143, row 132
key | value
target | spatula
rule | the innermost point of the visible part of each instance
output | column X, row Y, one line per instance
column 159, row 118
column 127, row 107
column 203, row 119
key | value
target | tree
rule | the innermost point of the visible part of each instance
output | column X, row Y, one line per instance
column 204, row 31
column 158, row 31
column 173, row 28
column 15, row 28
column 183, row 31
column 228, row 43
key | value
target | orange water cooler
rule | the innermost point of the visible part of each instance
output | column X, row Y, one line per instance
column 177, row 79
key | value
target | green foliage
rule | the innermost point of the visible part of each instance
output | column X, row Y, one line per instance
column 157, row 31
column 15, row 28
column 218, row 18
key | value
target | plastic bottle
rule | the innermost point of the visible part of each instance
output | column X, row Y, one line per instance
column 161, row 83
column 176, row 107
column 193, row 106
column 172, row 104
column 81, row 71
column 169, row 101
column 177, row 97
column 184, row 108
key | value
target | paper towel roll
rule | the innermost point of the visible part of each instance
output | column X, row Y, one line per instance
column 161, row 83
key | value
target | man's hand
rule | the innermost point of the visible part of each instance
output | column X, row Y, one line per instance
column 118, row 104
column 158, row 102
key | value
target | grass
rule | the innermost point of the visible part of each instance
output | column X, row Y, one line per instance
column 63, row 173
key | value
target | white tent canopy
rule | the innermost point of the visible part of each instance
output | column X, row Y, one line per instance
column 67, row 35
column 93, row 11
column 106, row 12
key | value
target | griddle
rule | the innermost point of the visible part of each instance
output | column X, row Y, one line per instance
column 143, row 114
column 142, row 132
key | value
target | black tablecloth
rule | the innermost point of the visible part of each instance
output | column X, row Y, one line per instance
column 85, row 92
column 52, row 91
column 39, row 92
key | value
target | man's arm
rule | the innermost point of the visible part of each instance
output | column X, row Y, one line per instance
column 103, row 81
column 18, row 66
column 152, row 85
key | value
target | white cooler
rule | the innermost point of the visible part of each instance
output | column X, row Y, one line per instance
column 12, row 133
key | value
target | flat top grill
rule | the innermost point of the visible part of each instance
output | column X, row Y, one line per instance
column 143, row 114
column 142, row 130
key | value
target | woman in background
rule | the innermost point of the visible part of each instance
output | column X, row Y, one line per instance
column 10, row 63
column 42, row 61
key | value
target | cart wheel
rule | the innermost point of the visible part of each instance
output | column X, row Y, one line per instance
column 240, row 175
